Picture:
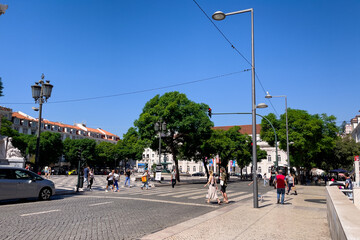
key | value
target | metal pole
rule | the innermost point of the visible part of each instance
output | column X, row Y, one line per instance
column 78, row 180
column 160, row 144
column 37, row 153
column 255, row 185
column 287, row 136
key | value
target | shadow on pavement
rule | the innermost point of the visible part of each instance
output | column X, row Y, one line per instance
column 32, row 200
column 320, row 201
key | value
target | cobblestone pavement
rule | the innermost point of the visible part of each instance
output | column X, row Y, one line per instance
column 128, row 214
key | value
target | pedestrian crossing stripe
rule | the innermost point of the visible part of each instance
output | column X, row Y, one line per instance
column 230, row 195
column 190, row 194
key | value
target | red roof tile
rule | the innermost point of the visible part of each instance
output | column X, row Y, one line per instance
column 245, row 129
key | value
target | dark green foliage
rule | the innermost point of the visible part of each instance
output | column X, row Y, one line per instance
column 87, row 146
column 187, row 124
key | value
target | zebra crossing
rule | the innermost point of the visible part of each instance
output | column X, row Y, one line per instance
column 181, row 193
column 191, row 193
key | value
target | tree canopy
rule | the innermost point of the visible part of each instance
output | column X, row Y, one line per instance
column 312, row 138
column 187, row 124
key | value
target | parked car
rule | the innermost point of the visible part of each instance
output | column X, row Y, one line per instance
column 338, row 184
column 201, row 174
column 20, row 183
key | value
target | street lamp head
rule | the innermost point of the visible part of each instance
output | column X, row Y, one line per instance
column 218, row 16
column 36, row 91
column 47, row 89
column 35, row 109
column 157, row 126
column 163, row 127
column 268, row 95
column 262, row 105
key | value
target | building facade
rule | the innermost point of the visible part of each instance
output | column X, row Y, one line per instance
column 264, row 166
column 26, row 124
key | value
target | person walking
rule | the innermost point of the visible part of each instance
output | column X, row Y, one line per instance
column 127, row 177
column 110, row 181
column 348, row 185
column 173, row 177
column 280, row 187
column 265, row 180
column 145, row 180
column 91, row 179
column 290, row 180
column 223, row 184
column 116, row 180
column 212, row 191
column 86, row 175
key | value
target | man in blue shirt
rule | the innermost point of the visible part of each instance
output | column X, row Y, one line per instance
column 86, row 176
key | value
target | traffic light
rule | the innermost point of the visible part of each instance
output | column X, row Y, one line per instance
column 209, row 112
column 79, row 153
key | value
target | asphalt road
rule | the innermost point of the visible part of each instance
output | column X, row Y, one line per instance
column 128, row 214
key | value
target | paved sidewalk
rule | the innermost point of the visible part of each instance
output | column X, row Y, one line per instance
column 303, row 216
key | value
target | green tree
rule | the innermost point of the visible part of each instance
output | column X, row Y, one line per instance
column 345, row 150
column 106, row 154
column 186, row 122
column 51, row 147
column 311, row 137
column 131, row 147
column 87, row 147
column 233, row 145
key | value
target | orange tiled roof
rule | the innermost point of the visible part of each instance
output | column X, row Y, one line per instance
column 45, row 121
column 245, row 129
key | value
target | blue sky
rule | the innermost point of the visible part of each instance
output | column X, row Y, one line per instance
column 307, row 50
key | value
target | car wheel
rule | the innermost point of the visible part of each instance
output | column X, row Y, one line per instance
column 45, row 194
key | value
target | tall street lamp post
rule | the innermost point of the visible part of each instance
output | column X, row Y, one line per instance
column 41, row 91
column 221, row 16
column 287, row 127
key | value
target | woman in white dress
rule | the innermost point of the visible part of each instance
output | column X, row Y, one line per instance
column 212, row 192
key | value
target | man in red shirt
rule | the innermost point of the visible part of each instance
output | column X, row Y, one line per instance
column 280, row 187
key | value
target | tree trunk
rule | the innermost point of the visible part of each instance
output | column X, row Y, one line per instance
column 206, row 169
column 176, row 167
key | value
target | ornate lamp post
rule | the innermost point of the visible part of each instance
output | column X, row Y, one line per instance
column 160, row 126
column 41, row 91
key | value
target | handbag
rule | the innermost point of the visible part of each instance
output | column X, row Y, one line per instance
column 143, row 178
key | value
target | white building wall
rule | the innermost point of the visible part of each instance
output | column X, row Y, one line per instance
column 150, row 157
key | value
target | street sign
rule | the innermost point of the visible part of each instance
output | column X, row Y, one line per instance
column 356, row 158
column 158, row 176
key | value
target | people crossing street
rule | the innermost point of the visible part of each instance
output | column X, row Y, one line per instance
column 127, row 177
column 173, row 177
column 280, row 187
column 145, row 180
column 110, row 181
column 116, row 180
column 212, row 191
column 91, row 179
column 223, row 184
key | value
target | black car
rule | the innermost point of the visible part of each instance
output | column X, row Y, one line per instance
column 201, row 174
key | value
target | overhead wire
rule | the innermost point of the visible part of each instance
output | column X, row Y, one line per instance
column 233, row 46
column 141, row 91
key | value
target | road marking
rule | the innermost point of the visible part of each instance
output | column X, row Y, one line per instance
column 36, row 213
column 151, row 200
column 241, row 197
column 178, row 192
column 193, row 194
column 219, row 194
column 97, row 204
